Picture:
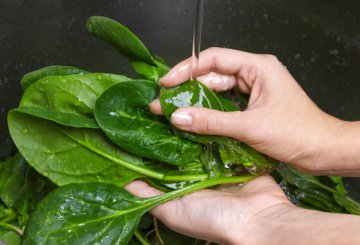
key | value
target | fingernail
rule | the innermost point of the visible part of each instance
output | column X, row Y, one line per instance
column 181, row 119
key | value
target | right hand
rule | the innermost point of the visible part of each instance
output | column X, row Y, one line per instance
column 281, row 121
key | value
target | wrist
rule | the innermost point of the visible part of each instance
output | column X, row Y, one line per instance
column 264, row 228
column 339, row 149
column 288, row 224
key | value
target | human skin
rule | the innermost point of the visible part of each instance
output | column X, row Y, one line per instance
column 257, row 213
column 280, row 121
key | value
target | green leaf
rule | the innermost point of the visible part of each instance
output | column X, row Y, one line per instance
column 227, row 104
column 70, row 155
column 9, row 237
column 340, row 196
column 318, row 199
column 300, row 179
column 33, row 76
column 21, row 187
column 233, row 154
column 191, row 93
column 147, row 71
column 126, row 42
column 122, row 113
column 67, row 100
column 97, row 213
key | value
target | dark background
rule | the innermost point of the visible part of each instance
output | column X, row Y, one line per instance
column 318, row 40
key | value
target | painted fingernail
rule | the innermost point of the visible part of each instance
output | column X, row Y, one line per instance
column 181, row 119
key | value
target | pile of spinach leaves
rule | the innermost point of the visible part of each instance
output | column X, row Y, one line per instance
column 82, row 136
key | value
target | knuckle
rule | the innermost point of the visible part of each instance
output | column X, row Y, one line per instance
column 271, row 58
column 212, row 49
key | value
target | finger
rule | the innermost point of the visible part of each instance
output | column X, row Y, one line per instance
column 155, row 107
column 207, row 121
column 243, row 65
column 142, row 189
column 259, row 184
column 218, row 82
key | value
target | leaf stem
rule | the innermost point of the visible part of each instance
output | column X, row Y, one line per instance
column 191, row 177
column 157, row 232
column 12, row 227
column 152, row 201
column 133, row 167
column 141, row 238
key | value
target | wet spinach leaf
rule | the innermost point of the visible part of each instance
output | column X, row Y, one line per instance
column 233, row 154
column 191, row 93
column 36, row 75
column 122, row 113
column 9, row 237
column 67, row 100
column 128, row 44
column 120, row 37
column 20, row 185
column 147, row 71
column 97, row 213
column 70, row 155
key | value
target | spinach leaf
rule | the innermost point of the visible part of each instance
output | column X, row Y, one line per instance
column 9, row 237
column 341, row 197
column 310, row 191
column 299, row 179
column 233, row 154
column 33, row 76
column 120, row 37
column 97, row 213
column 70, row 155
column 67, row 100
column 147, row 71
column 121, row 112
column 21, row 187
column 191, row 93
column 128, row 44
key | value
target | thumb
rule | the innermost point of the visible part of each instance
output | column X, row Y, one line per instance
column 207, row 121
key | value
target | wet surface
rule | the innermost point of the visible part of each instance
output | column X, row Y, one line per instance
column 318, row 41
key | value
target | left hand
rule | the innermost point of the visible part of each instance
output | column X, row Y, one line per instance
column 221, row 216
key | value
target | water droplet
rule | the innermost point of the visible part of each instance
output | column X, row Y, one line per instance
column 99, row 77
column 113, row 114
column 25, row 130
column 49, row 221
column 297, row 56
column 252, row 170
column 43, row 82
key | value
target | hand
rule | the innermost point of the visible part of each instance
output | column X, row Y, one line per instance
column 281, row 121
column 258, row 213
column 220, row 216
